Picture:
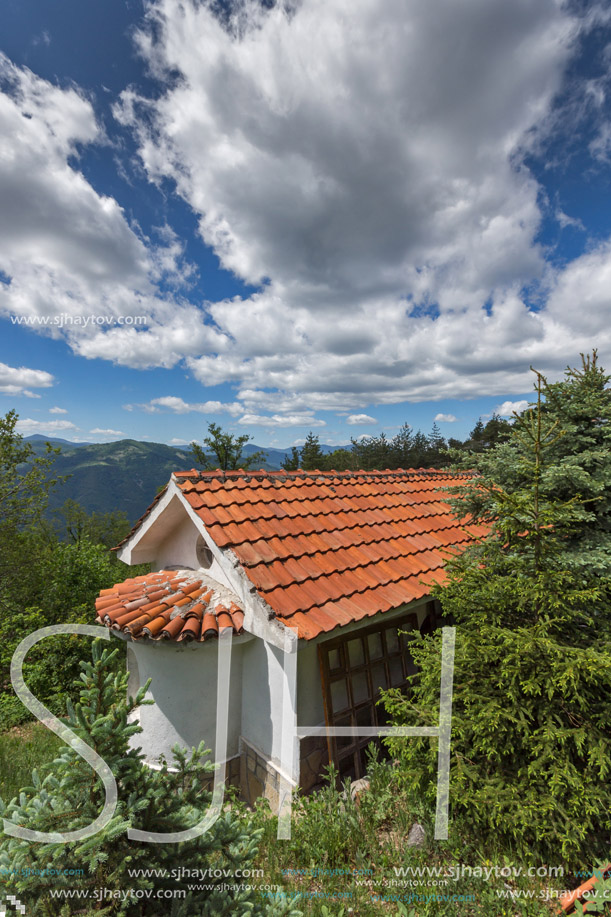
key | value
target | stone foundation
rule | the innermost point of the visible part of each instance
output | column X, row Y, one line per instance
column 259, row 777
column 232, row 774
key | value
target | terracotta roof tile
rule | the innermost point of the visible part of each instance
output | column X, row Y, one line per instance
column 322, row 548
column 185, row 608
column 210, row 626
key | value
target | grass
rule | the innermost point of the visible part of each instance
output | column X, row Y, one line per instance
column 22, row 749
column 342, row 860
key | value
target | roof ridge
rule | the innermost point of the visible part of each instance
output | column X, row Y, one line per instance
column 300, row 473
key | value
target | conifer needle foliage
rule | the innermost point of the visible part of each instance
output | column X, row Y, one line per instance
column 169, row 799
column 531, row 726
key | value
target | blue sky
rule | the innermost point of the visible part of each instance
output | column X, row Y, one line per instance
column 321, row 215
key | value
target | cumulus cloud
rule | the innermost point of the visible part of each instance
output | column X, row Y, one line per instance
column 507, row 408
column 18, row 380
column 57, row 410
column 67, row 251
column 178, row 405
column 362, row 163
column 360, row 419
column 346, row 175
column 445, row 418
column 27, row 426
column 281, row 420
column 99, row 432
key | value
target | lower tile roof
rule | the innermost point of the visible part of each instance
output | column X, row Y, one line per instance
column 176, row 605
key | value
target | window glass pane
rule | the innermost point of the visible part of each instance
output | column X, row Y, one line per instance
column 360, row 687
column 392, row 640
column 396, row 671
column 344, row 741
column 355, row 653
column 410, row 665
column 347, row 768
column 364, row 716
column 378, row 677
column 383, row 715
column 339, row 695
column 375, row 646
column 335, row 660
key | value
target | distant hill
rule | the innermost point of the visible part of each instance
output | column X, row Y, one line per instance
column 37, row 441
column 124, row 475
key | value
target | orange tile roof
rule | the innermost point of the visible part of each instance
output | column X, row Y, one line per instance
column 324, row 549
column 179, row 605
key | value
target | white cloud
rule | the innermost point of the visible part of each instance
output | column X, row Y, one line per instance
column 600, row 147
column 507, row 408
column 179, row 442
column 180, row 406
column 67, row 250
column 57, row 410
column 27, row 426
column 281, row 420
column 366, row 158
column 368, row 162
column 17, row 380
column 360, row 419
column 256, row 138
column 98, row 432
column 445, row 418
column 565, row 220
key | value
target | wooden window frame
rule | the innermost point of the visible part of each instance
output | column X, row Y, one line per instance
column 348, row 753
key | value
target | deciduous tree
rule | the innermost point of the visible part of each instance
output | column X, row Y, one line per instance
column 225, row 450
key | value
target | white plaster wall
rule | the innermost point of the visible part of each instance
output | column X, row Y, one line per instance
column 310, row 710
column 262, row 688
column 263, row 680
column 257, row 726
column 184, row 690
column 179, row 548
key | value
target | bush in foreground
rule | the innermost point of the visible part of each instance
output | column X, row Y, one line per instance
column 165, row 800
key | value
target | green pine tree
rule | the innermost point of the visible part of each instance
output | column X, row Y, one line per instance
column 402, row 445
column 291, row 462
column 373, row 452
column 312, row 456
column 165, row 800
column 531, row 740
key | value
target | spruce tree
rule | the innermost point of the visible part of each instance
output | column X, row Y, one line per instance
column 402, row 446
column 291, row 461
column 531, row 734
column 165, row 800
column 312, row 456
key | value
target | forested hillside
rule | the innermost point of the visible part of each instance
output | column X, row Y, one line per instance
column 125, row 476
